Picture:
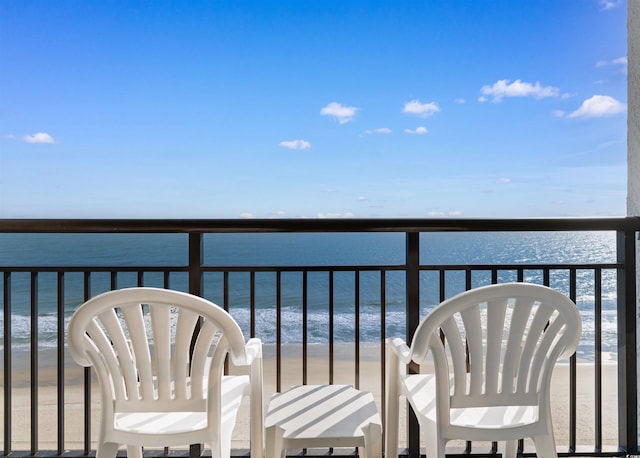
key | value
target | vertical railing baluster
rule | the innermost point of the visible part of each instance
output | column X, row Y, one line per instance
column 627, row 357
column 225, row 305
column 195, row 262
column 252, row 304
column 87, row 380
column 305, row 330
column 225, row 290
column 383, row 335
column 61, row 366
column 34, row 362
column 573, row 393
column 7, row 363
column 412, row 259
column 278, row 331
column 598, row 358
column 357, row 329
column 195, row 287
column 331, row 328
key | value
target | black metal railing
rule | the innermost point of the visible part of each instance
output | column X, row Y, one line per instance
column 75, row 283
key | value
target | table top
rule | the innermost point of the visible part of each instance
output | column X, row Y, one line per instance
column 322, row 411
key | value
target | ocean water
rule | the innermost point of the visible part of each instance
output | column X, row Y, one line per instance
column 291, row 250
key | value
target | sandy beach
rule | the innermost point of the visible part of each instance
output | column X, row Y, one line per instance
column 292, row 373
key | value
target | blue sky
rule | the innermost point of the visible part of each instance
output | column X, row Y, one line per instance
column 227, row 109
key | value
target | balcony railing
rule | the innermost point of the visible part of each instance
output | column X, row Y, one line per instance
column 43, row 414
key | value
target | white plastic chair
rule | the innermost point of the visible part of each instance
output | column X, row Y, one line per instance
column 494, row 349
column 157, row 388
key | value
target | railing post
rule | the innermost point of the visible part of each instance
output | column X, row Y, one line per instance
column 627, row 364
column 87, row 379
column 195, row 263
column 413, row 319
column 195, row 287
column 34, row 362
column 6, row 376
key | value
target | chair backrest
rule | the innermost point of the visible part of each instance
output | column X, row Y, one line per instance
column 497, row 345
column 153, row 349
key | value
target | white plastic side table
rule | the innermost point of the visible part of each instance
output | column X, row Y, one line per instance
column 309, row 416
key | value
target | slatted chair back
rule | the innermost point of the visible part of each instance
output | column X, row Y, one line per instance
column 497, row 345
column 153, row 350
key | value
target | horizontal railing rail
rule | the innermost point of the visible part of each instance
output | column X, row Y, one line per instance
column 266, row 291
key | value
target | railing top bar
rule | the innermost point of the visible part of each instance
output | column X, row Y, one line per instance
column 314, row 225
column 309, row 268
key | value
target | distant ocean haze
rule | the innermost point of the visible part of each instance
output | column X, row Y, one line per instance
column 343, row 250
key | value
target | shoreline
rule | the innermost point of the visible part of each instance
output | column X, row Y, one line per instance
column 344, row 372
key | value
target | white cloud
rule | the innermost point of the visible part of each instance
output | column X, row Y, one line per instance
column 421, row 130
column 460, row 100
column 415, row 107
column 342, row 113
column 599, row 106
column 335, row 215
column 382, row 130
column 362, row 199
column 558, row 113
column 505, row 180
column 608, row 4
column 40, row 137
column 440, row 214
column 503, row 88
column 621, row 63
column 296, row 144
column 247, row 215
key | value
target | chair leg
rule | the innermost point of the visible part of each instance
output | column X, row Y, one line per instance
column 435, row 448
column 275, row 442
column 434, row 444
column 107, row 450
column 545, row 446
column 391, row 430
column 372, row 440
column 392, row 403
column 510, row 449
column 134, row 451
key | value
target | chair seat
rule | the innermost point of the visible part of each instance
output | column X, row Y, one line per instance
column 423, row 389
column 160, row 422
column 176, row 422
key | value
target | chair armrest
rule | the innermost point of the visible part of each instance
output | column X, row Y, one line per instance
column 401, row 349
column 253, row 350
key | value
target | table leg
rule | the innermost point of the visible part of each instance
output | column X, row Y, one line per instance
column 372, row 440
column 275, row 441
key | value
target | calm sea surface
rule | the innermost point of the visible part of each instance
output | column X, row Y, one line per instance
column 126, row 250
